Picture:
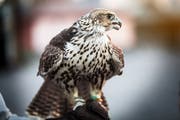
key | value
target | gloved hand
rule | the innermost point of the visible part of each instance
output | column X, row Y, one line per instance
column 92, row 110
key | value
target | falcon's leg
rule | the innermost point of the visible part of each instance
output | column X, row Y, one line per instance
column 82, row 92
column 78, row 101
column 98, row 95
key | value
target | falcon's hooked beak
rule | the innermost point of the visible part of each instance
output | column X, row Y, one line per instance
column 116, row 23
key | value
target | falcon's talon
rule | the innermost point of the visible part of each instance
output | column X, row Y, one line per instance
column 105, row 108
column 100, row 100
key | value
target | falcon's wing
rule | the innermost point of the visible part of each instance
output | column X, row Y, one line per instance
column 118, row 58
column 50, row 59
column 53, row 54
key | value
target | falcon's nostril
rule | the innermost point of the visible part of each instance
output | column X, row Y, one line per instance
column 120, row 24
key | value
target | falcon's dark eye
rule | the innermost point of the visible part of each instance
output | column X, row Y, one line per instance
column 110, row 16
column 73, row 31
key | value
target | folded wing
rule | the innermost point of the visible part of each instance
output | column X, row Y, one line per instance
column 50, row 60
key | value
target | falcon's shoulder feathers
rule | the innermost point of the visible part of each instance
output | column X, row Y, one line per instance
column 52, row 56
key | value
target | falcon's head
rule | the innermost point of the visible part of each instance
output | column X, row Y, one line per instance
column 99, row 20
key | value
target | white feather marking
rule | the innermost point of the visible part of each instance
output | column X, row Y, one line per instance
column 71, row 46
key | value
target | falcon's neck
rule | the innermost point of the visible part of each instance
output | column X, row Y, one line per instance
column 91, row 38
column 89, row 34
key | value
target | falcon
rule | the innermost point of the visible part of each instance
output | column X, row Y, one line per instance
column 76, row 64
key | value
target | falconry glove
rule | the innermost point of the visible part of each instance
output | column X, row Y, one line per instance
column 92, row 110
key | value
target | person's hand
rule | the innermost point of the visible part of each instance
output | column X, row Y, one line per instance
column 92, row 110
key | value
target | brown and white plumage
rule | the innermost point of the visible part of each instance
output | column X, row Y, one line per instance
column 50, row 60
column 77, row 63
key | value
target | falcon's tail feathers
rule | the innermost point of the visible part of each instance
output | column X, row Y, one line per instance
column 49, row 102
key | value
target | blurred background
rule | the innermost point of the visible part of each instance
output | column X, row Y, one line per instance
column 150, row 38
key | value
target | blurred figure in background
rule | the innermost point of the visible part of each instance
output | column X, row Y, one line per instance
column 150, row 36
